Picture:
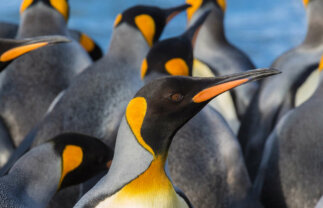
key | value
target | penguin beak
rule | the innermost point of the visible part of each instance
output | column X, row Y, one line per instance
column 172, row 12
column 217, row 85
column 19, row 48
column 193, row 31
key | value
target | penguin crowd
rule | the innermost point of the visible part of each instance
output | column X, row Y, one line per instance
column 182, row 122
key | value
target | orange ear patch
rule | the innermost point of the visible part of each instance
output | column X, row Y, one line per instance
column 135, row 115
column 146, row 25
column 25, row 4
column 61, row 6
column 143, row 69
column 196, row 4
column 211, row 92
column 72, row 158
column 177, row 67
column 87, row 42
column 117, row 20
column 20, row 50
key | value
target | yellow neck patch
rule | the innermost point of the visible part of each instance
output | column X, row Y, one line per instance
column 151, row 189
column 177, row 67
column 201, row 69
column 222, row 4
column 321, row 64
column 72, row 158
column 117, row 20
column 146, row 25
column 25, row 4
column 61, row 6
column 306, row 2
column 196, row 4
column 20, row 50
column 143, row 69
column 87, row 42
column 135, row 115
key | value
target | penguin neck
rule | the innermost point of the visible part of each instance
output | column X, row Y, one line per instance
column 38, row 174
column 212, row 31
column 41, row 20
column 128, row 45
column 314, row 36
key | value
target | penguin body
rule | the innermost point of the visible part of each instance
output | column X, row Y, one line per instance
column 30, row 83
column 11, row 49
column 66, row 160
column 293, row 157
column 206, row 135
column 213, row 49
column 138, row 176
column 320, row 203
column 276, row 96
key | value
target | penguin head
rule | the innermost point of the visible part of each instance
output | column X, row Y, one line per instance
column 12, row 49
column 204, row 5
column 172, row 56
column 162, row 106
column 149, row 20
column 82, row 157
column 61, row 6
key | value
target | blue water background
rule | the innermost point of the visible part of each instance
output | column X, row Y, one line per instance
column 262, row 28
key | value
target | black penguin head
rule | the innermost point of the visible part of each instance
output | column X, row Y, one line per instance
column 82, row 157
column 12, row 49
column 162, row 106
column 90, row 46
column 172, row 56
column 149, row 20
column 60, row 6
column 197, row 4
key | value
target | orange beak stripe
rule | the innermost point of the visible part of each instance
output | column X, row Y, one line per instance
column 20, row 50
column 211, row 92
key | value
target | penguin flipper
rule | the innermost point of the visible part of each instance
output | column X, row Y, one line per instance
column 91, row 47
column 6, row 145
column 22, row 149
column 11, row 49
column 181, row 194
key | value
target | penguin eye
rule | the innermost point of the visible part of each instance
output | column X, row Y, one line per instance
column 177, row 97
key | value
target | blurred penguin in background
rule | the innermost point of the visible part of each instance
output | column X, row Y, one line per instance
column 11, row 49
column 215, row 55
column 292, row 164
column 31, row 82
column 276, row 95
column 66, row 160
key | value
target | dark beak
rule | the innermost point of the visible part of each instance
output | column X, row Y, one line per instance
column 172, row 12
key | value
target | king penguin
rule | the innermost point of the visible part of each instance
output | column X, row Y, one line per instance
column 66, row 160
column 11, row 49
column 276, row 95
column 31, row 82
column 219, row 155
column 215, row 52
column 138, row 176
column 293, row 157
